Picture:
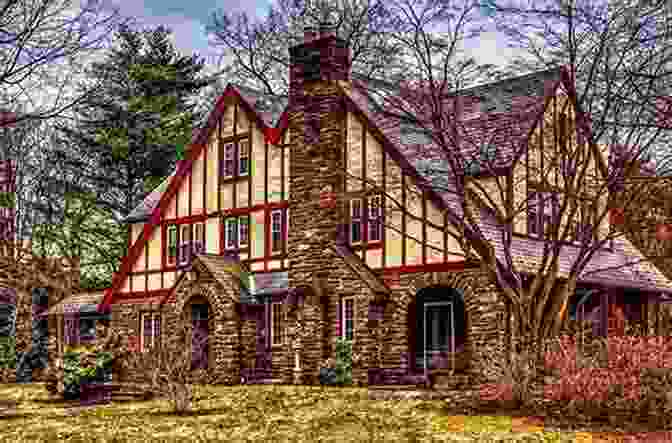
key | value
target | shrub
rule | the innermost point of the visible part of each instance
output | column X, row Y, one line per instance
column 343, row 361
column 636, row 376
column 7, row 352
column 83, row 368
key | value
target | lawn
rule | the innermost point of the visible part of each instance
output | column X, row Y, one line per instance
column 263, row 413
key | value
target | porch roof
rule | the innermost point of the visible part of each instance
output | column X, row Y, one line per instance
column 83, row 302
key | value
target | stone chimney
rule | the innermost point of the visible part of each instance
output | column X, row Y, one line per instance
column 317, row 139
column 321, row 56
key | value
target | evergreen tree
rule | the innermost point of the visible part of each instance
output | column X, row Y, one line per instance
column 126, row 134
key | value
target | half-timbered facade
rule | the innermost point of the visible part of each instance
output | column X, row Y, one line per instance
column 293, row 222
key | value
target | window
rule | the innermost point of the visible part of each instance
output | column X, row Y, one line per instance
column 533, row 214
column 229, row 161
column 198, row 245
column 276, row 323
column 230, row 231
column 150, row 325
column 172, row 243
column 541, row 211
column 244, row 230
column 185, row 245
column 277, row 225
column 348, row 318
column 87, row 329
column 374, row 218
column 71, row 331
column 244, row 157
column 355, row 221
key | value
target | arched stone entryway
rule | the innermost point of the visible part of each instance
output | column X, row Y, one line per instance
column 438, row 328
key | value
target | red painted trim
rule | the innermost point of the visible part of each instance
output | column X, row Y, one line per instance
column 431, row 267
column 186, row 220
column 144, row 294
column 246, row 211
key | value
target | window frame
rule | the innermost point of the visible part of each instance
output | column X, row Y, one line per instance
column 281, row 241
column 344, row 318
column 227, row 237
column 243, row 142
column 273, row 324
column 359, row 220
column 198, row 237
column 229, row 160
column 172, row 228
column 184, row 246
column 374, row 220
column 155, row 331
column 243, row 220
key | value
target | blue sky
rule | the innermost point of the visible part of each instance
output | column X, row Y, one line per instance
column 188, row 19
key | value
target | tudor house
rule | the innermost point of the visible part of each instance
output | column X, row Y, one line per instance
column 269, row 253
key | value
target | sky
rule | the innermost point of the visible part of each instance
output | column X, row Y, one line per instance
column 187, row 20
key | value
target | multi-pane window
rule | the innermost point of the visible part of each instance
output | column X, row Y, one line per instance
column 355, row 221
column 150, row 325
column 277, row 230
column 185, row 244
column 198, row 245
column 541, row 211
column 230, row 233
column 236, row 232
column 229, row 166
column 71, row 331
column 244, row 230
column 244, row 157
column 276, row 323
column 172, row 243
column 374, row 218
column 348, row 318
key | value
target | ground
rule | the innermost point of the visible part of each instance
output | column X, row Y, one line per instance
column 266, row 413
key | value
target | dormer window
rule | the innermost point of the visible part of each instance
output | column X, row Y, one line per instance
column 235, row 159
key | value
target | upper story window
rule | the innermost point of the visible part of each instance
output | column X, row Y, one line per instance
column 184, row 251
column 235, row 159
column 185, row 241
column 278, row 229
column 244, row 157
column 172, row 243
column 369, row 217
column 355, row 221
column 541, row 212
column 374, row 222
column 236, row 232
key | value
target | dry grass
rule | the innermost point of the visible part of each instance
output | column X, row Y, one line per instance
column 261, row 414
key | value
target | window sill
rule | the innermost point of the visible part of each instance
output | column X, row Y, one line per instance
column 231, row 179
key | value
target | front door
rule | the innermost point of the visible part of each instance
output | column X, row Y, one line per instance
column 199, row 336
column 438, row 334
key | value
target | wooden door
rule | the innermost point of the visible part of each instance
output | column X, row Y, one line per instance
column 199, row 337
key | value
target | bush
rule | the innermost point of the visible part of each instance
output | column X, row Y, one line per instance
column 637, row 377
column 338, row 371
column 7, row 352
column 82, row 368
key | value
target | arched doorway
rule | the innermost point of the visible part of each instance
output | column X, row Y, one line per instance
column 199, row 313
column 439, row 325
